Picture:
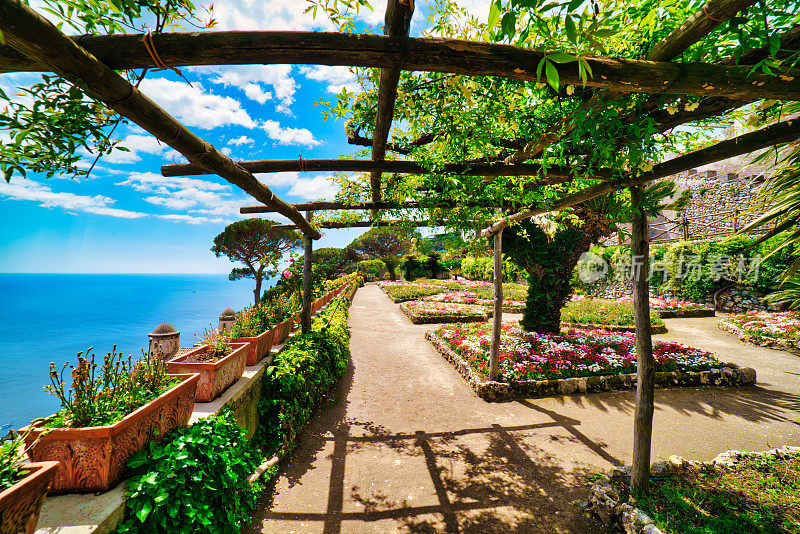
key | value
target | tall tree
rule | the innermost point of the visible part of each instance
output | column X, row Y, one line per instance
column 257, row 244
column 386, row 244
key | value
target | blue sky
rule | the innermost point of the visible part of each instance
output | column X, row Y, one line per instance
column 126, row 217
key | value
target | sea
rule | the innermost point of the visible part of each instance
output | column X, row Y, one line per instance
column 51, row 317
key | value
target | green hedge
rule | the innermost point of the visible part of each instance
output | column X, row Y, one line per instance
column 482, row 268
column 302, row 375
column 708, row 256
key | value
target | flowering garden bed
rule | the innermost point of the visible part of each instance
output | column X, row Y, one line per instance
column 538, row 365
column 402, row 291
column 426, row 312
column 674, row 309
column 465, row 297
column 589, row 313
column 777, row 330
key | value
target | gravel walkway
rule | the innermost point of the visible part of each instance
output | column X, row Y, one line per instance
column 407, row 447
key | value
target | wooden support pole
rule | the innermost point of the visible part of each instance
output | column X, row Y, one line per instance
column 308, row 265
column 781, row 132
column 396, row 26
column 451, row 56
column 645, row 365
column 497, row 317
column 38, row 38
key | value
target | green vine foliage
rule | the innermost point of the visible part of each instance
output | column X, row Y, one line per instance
column 53, row 124
column 194, row 480
column 302, row 375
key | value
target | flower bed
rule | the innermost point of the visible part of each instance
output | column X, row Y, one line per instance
column 574, row 361
column 673, row 309
column 426, row 312
column 402, row 291
column 742, row 492
column 602, row 313
column 778, row 330
column 464, row 297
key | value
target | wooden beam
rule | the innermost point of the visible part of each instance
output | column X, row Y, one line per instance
column 782, row 132
column 365, row 224
column 397, row 22
column 36, row 37
column 645, row 366
column 321, row 205
column 421, row 54
column 554, row 174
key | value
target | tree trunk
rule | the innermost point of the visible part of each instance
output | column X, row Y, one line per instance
column 390, row 268
column 257, row 291
column 643, row 415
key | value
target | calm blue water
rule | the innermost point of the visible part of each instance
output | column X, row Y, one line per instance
column 50, row 317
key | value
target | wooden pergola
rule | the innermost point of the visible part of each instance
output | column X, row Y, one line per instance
column 34, row 44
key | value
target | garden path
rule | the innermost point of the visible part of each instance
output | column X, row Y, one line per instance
column 407, row 447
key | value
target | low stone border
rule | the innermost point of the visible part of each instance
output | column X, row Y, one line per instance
column 492, row 391
column 685, row 313
column 437, row 319
column 607, row 505
column 654, row 329
column 789, row 345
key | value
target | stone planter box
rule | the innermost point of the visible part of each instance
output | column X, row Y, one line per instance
column 789, row 345
column 215, row 377
column 20, row 504
column 94, row 458
column 260, row 346
column 685, row 314
column 491, row 391
column 437, row 319
column 661, row 329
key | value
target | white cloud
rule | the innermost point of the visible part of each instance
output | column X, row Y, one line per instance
column 148, row 182
column 288, row 136
column 191, row 219
column 136, row 143
column 272, row 15
column 336, row 77
column 24, row 189
column 254, row 79
column 313, row 188
column 279, row 179
column 193, row 106
column 239, row 141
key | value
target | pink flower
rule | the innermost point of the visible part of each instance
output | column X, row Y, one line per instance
column 287, row 273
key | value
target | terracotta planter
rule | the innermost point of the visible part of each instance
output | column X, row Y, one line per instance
column 215, row 377
column 94, row 458
column 20, row 504
column 282, row 330
column 260, row 346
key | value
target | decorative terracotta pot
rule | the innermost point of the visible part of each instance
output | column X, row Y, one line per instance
column 20, row 504
column 94, row 458
column 260, row 346
column 215, row 377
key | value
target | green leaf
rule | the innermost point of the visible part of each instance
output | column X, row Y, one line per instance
column 143, row 511
column 494, row 14
column 573, row 5
column 572, row 32
column 560, row 57
column 552, row 75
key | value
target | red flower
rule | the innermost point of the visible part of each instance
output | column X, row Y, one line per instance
column 287, row 273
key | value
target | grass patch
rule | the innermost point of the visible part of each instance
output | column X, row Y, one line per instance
column 759, row 495
column 603, row 312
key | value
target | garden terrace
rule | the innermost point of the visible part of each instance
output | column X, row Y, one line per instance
column 659, row 74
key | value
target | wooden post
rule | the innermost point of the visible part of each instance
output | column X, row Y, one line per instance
column 735, row 220
column 497, row 317
column 308, row 264
column 685, row 227
column 645, row 366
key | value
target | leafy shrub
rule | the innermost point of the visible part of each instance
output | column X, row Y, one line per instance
column 12, row 456
column 301, row 376
column 482, row 268
column 374, row 268
column 194, row 480
column 412, row 268
column 251, row 321
column 603, row 312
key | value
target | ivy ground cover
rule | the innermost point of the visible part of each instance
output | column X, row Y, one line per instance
column 779, row 325
column 572, row 353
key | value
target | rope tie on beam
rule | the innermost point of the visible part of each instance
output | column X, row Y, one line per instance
column 302, row 163
column 705, row 10
column 111, row 104
column 147, row 39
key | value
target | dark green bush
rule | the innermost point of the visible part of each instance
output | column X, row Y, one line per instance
column 302, row 375
column 194, row 480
